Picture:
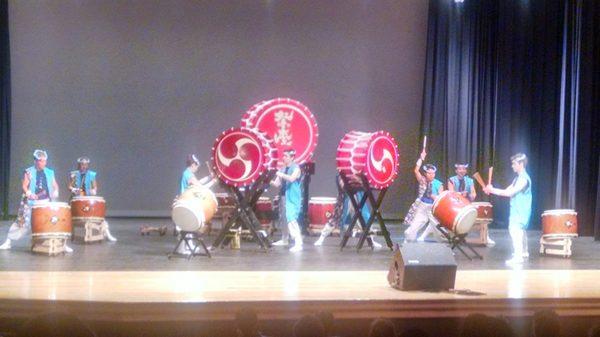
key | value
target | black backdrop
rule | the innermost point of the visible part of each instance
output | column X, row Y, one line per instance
column 509, row 76
column 4, row 108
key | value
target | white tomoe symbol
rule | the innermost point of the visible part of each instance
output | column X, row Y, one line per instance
column 378, row 164
column 226, row 161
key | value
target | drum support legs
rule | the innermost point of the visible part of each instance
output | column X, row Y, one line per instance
column 458, row 241
column 192, row 241
column 243, row 215
column 368, row 196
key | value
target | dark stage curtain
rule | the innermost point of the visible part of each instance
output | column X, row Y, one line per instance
column 508, row 76
column 4, row 108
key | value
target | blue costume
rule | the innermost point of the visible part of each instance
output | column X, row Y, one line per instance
column 40, row 183
column 466, row 186
column 520, row 204
column 88, row 178
column 293, row 195
column 185, row 180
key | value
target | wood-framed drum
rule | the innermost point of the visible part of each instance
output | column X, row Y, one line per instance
column 485, row 211
column 559, row 223
column 51, row 219
column 454, row 212
column 373, row 154
column 88, row 208
column 264, row 211
column 241, row 155
column 194, row 208
column 289, row 123
column 320, row 210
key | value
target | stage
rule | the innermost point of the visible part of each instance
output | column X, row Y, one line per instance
column 133, row 281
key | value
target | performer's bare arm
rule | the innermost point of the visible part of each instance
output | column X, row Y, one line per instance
column 276, row 182
column 473, row 193
column 207, row 181
column 417, row 170
column 25, row 186
column 94, row 187
column 55, row 192
column 290, row 177
column 511, row 190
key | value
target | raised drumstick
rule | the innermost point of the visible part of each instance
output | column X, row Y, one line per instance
column 490, row 174
column 477, row 177
column 424, row 142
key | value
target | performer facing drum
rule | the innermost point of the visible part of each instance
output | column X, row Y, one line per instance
column 520, row 196
column 465, row 185
column 189, row 181
column 289, row 179
column 39, row 186
column 420, row 214
column 188, row 177
column 83, row 183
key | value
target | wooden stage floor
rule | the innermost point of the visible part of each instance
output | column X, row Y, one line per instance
column 133, row 281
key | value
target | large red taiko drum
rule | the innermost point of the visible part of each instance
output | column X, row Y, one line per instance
column 454, row 212
column 320, row 210
column 559, row 223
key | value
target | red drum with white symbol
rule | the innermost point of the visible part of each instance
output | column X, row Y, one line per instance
column 559, row 223
column 241, row 155
column 374, row 154
column 288, row 122
column 320, row 210
column 485, row 211
column 454, row 212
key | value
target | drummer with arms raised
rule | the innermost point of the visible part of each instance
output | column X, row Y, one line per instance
column 83, row 183
column 39, row 186
column 420, row 213
column 520, row 196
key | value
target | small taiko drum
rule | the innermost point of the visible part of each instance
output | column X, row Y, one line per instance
column 485, row 211
column 264, row 211
column 88, row 207
column 320, row 210
column 194, row 208
column 454, row 212
column 51, row 219
column 559, row 223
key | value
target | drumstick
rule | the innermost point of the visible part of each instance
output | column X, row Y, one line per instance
column 477, row 177
column 424, row 142
column 490, row 174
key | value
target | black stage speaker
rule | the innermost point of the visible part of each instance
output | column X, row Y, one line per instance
column 423, row 266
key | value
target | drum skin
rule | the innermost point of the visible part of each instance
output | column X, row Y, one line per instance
column 559, row 222
column 51, row 218
column 454, row 212
column 194, row 208
column 320, row 210
column 83, row 207
column 485, row 211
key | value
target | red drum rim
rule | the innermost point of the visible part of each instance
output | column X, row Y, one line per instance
column 559, row 212
column 322, row 200
column 51, row 204
column 85, row 197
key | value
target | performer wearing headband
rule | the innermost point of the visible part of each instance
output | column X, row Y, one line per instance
column 289, row 179
column 343, row 213
column 420, row 213
column 83, row 182
column 464, row 184
column 188, row 180
column 38, row 185
column 520, row 196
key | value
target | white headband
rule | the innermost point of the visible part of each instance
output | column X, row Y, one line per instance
column 39, row 154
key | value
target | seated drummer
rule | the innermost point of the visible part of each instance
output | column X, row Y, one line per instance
column 188, row 178
column 38, row 185
column 420, row 213
column 464, row 184
column 83, row 183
